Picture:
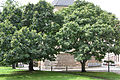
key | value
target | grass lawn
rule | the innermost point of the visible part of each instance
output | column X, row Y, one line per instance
column 7, row 70
column 103, row 75
column 7, row 73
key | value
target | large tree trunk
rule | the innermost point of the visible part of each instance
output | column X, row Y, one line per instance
column 13, row 66
column 31, row 65
column 83, row 62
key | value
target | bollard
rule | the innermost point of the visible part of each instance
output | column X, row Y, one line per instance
column 66, row 68
column 51, row 68
column 40, row 68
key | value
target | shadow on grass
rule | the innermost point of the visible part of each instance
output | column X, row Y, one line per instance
column 19, row 75
column 14, row 74
column 100, row 75
column 41, row 75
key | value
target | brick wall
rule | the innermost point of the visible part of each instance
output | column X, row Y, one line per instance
column 64, row 59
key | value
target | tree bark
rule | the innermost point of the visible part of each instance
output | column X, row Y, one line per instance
column 83, row 65
column 13, row 66
column 31, row 65
column 16, row 64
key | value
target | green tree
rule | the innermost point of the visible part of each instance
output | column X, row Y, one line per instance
column 38, row 16
column 12, row 12
column 28, row 45
column 87, row 31
column 6, row 32
column 27, row 17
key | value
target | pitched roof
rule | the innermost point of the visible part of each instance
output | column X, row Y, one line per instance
column 62, row 2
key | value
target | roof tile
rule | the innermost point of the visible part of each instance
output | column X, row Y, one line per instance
column 62, row 2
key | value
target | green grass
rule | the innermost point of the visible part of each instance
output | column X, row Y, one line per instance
column 103, row 75
column 7, row 73
column 8, row 70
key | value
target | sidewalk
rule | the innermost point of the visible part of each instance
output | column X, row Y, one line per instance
column 114, row 69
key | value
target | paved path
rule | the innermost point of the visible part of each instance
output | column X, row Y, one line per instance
column 115, row 69
column 95, row 69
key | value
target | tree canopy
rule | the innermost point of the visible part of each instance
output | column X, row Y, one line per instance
column 38, row 16
column 12, row 12
column 27, row 45
column 88, row 31
column 6, row 32
column 34, row 37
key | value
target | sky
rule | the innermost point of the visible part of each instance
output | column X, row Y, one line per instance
column 112, row 6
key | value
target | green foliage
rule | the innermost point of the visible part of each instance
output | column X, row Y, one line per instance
column 27, row 15
column 88, row 31
column 39, row 17
column 6, row 32
column 26, row 45
column 29, row 45
column 11, row 12
column 10, row 19
column 36, row 40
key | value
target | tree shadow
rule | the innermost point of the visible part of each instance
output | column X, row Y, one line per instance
column 19, row 75
column 42, row 75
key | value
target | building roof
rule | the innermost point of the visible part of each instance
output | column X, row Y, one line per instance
column 62, row 2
